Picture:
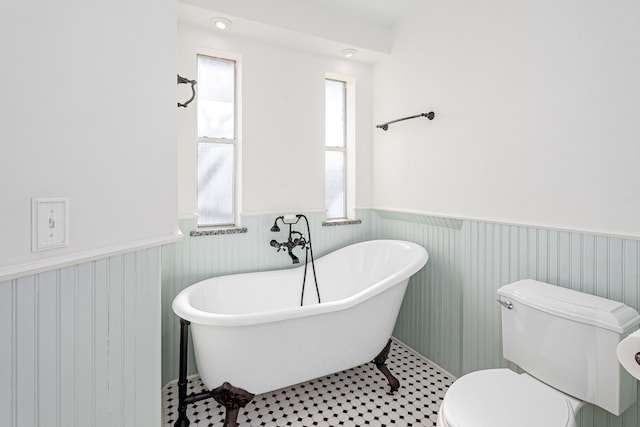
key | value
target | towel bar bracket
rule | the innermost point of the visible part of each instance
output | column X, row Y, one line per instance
column 183, row 80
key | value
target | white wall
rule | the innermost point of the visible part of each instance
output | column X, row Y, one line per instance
column 537, row 107
column 282, row 138
column 88, row 112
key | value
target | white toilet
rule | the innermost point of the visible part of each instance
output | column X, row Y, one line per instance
column 565, row 341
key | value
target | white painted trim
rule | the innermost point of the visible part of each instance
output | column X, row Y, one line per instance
column 39, row 266
column 175, row 381
column 188, row 215
column 421, row 356
column 283, row 212
column 603, row 233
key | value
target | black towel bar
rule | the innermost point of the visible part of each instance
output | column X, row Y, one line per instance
column 430, row 115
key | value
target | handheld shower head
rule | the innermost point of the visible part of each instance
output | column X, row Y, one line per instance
column 275, row 227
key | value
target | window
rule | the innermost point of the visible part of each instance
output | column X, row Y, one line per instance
column 217, row 141
column 336, row 148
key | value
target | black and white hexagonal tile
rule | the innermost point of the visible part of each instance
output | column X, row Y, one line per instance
column 355, row 397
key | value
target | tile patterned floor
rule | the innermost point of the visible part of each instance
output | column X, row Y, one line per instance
column 355, row 397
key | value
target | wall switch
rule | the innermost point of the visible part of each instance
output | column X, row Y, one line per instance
column 49, row 223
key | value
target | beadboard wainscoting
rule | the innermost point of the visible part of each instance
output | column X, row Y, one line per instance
column 496, row 254
column 431, row 313
column 81, row 344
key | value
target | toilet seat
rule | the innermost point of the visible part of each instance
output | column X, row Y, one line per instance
column 503, row 398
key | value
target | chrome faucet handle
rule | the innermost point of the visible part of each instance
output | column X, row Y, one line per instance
column 506, row 304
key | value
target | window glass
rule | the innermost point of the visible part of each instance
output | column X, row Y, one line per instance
column 335, row 113
column 216, row 98
column 215, row 183
column 216, row 90
column 335, row 184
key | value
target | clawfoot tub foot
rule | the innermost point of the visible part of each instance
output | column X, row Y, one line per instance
column 182, row 422
column 380, row 360
column 232, row 398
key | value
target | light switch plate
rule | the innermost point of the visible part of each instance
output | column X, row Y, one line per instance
column 49, row 223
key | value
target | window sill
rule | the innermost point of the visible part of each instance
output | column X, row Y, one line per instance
column 217, row 231
column 342, row 221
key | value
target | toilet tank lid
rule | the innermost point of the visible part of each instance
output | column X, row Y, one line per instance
column 578, row 306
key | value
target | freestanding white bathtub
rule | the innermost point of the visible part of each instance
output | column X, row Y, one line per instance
column 250, row 331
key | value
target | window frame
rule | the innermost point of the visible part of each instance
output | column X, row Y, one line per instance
column 235, row 141
column 349, row 148
column 340, row 149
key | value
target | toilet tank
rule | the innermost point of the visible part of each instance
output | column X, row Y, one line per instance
column 567, row 339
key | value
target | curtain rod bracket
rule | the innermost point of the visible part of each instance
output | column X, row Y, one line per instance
column 430, row 115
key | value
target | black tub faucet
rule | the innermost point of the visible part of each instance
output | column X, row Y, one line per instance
column 290, row 244
column 294, row 240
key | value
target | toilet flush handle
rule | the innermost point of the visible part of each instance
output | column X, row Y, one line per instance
column 506, row 304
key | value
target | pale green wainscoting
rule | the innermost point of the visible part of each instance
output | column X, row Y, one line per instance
column 449, row 313
column 80, row 344
column 430, row 319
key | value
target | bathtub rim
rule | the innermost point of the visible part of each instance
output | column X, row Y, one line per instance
column 183, row 309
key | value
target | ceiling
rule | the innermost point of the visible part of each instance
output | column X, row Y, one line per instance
column 385, row 12
column 320, row 26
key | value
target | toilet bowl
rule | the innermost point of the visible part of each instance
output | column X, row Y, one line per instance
column 565, row 342
column 503, row 398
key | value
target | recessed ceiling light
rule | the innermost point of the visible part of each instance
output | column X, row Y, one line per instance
column 221, row 23
column 348, row 53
